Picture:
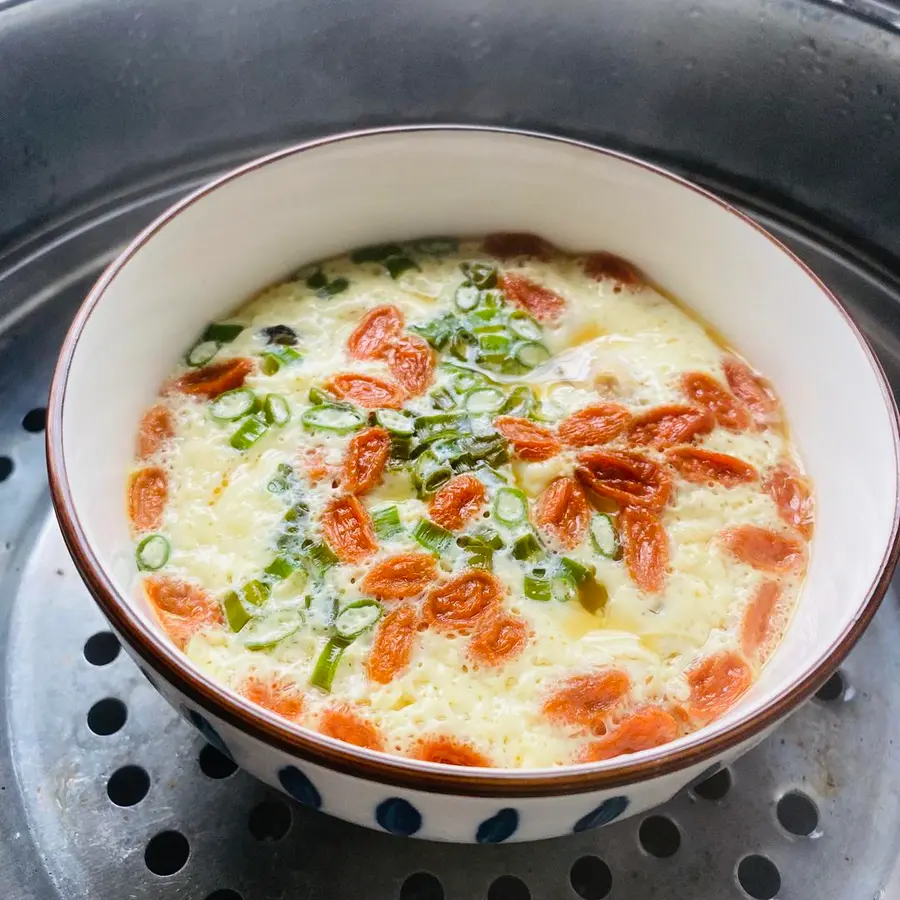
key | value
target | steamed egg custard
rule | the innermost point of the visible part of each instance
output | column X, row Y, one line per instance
column 481, row 503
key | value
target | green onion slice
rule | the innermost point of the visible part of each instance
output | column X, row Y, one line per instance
column 526, row 547
column 251, row 430
column 276, row 410
column 432, row 537
column 265, row 632
column 280, row 568
column 317, row 396
column 355, row 618
column 519, row 403
column 233, row 405
column 482, row 275
column 235, row 612
column 510, row 506
column 274, row 359
column 386, row 522
column 442, row 399
column 574, row 571
column 377, row 253
column 152, row 553
column 222, row 332
column 395, row 422
column 200, row 354
column 537, row 587
column 464, row 382
column 531, row 354
column 333, row 288
column 335, row 417
column 316, row 280
column 326, row 665
column 256, row 592
column 320, row 557
column 604, row 536
column 397, row 265
column 281, row 480
column 524, row 327
column 493, row 347
column 484, row 400
column 430, row 473
column 467, row 297
column 563, row 589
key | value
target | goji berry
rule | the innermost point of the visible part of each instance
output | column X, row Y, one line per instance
column 585, row 699
column 367, row 454
column 498, row 638
column 457, row 502
column 538, row 301
column 506, row 245
column 756, row 626
column 628, row 478
column 753, row 391
column 531, row 442
column 562, row 513
column 457, row 604
column 705, row 467
column 156, row 428
column 645, row 547
column 793, row 497
column 706, row 391
column 210, row 381
column 664, row 426
column 450, row 752
column 594, row 425
column 147, row 498
column 393, row 644
column 345, row 724
column 411, row 362
column 717, row 683
column 348, row 529
column 371, row 339
column 182, row 608
column 764, row 549
column 366, row 391
column 608, row 267
column 642, row 730
column 401, row 576
column 279, row 695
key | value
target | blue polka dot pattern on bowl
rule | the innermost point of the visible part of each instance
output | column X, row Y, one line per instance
column 606, row 812
column 498, row 828
column 398, row 816
column 299, row 787
column 210, row 733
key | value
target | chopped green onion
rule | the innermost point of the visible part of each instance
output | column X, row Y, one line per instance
column 575, row 571
column 152, row 553
column 448, row 449
column 484, row 400
column 333, row 288
column 537, row 586
column 297, row 513
column 436, row 246
column 317, row 280
column 466, row 381
column 256, row 592
column 441, row 398
column 487, row 320
column 336, row 417
column 401, row 446
column 233, row 405
column 252, row 429
column 467, row 297
column 280, row 568
column 320, row 556
column 443, row 424
column 525, row 547
column 519, row 403
column 397, row 265
column 604, row 536
column 222, row 332
column 317, row 396
column 355, row 618
column 276, row 410
column 395, row 422
column 490, row 477
column 510, row 506
column 563, row 589
column 439, row 331
column 432, row 537
column 265, row 632
column 524, row 327
column 430, row 473
column 493, row 346
column 273, row 360
column 326, row 665
column 482, row 275
column 386, row 522
column 531, row 354
column 235, row 612
column 377, row 253
column 461, row 342
column 283, row 335
column 200, row 354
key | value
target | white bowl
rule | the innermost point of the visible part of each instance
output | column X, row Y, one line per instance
column 261, row 222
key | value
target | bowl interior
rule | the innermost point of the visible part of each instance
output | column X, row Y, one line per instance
column 253, row 229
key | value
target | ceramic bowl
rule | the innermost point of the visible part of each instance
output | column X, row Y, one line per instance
column 259, row 223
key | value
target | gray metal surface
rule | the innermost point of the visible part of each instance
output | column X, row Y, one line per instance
column 66, row 835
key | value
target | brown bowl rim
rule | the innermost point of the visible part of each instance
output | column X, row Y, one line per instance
column 162, row 656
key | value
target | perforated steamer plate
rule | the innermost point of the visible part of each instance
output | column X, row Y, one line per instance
column 105, row 793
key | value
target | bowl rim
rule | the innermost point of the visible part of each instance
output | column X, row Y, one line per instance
column 162, row 656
